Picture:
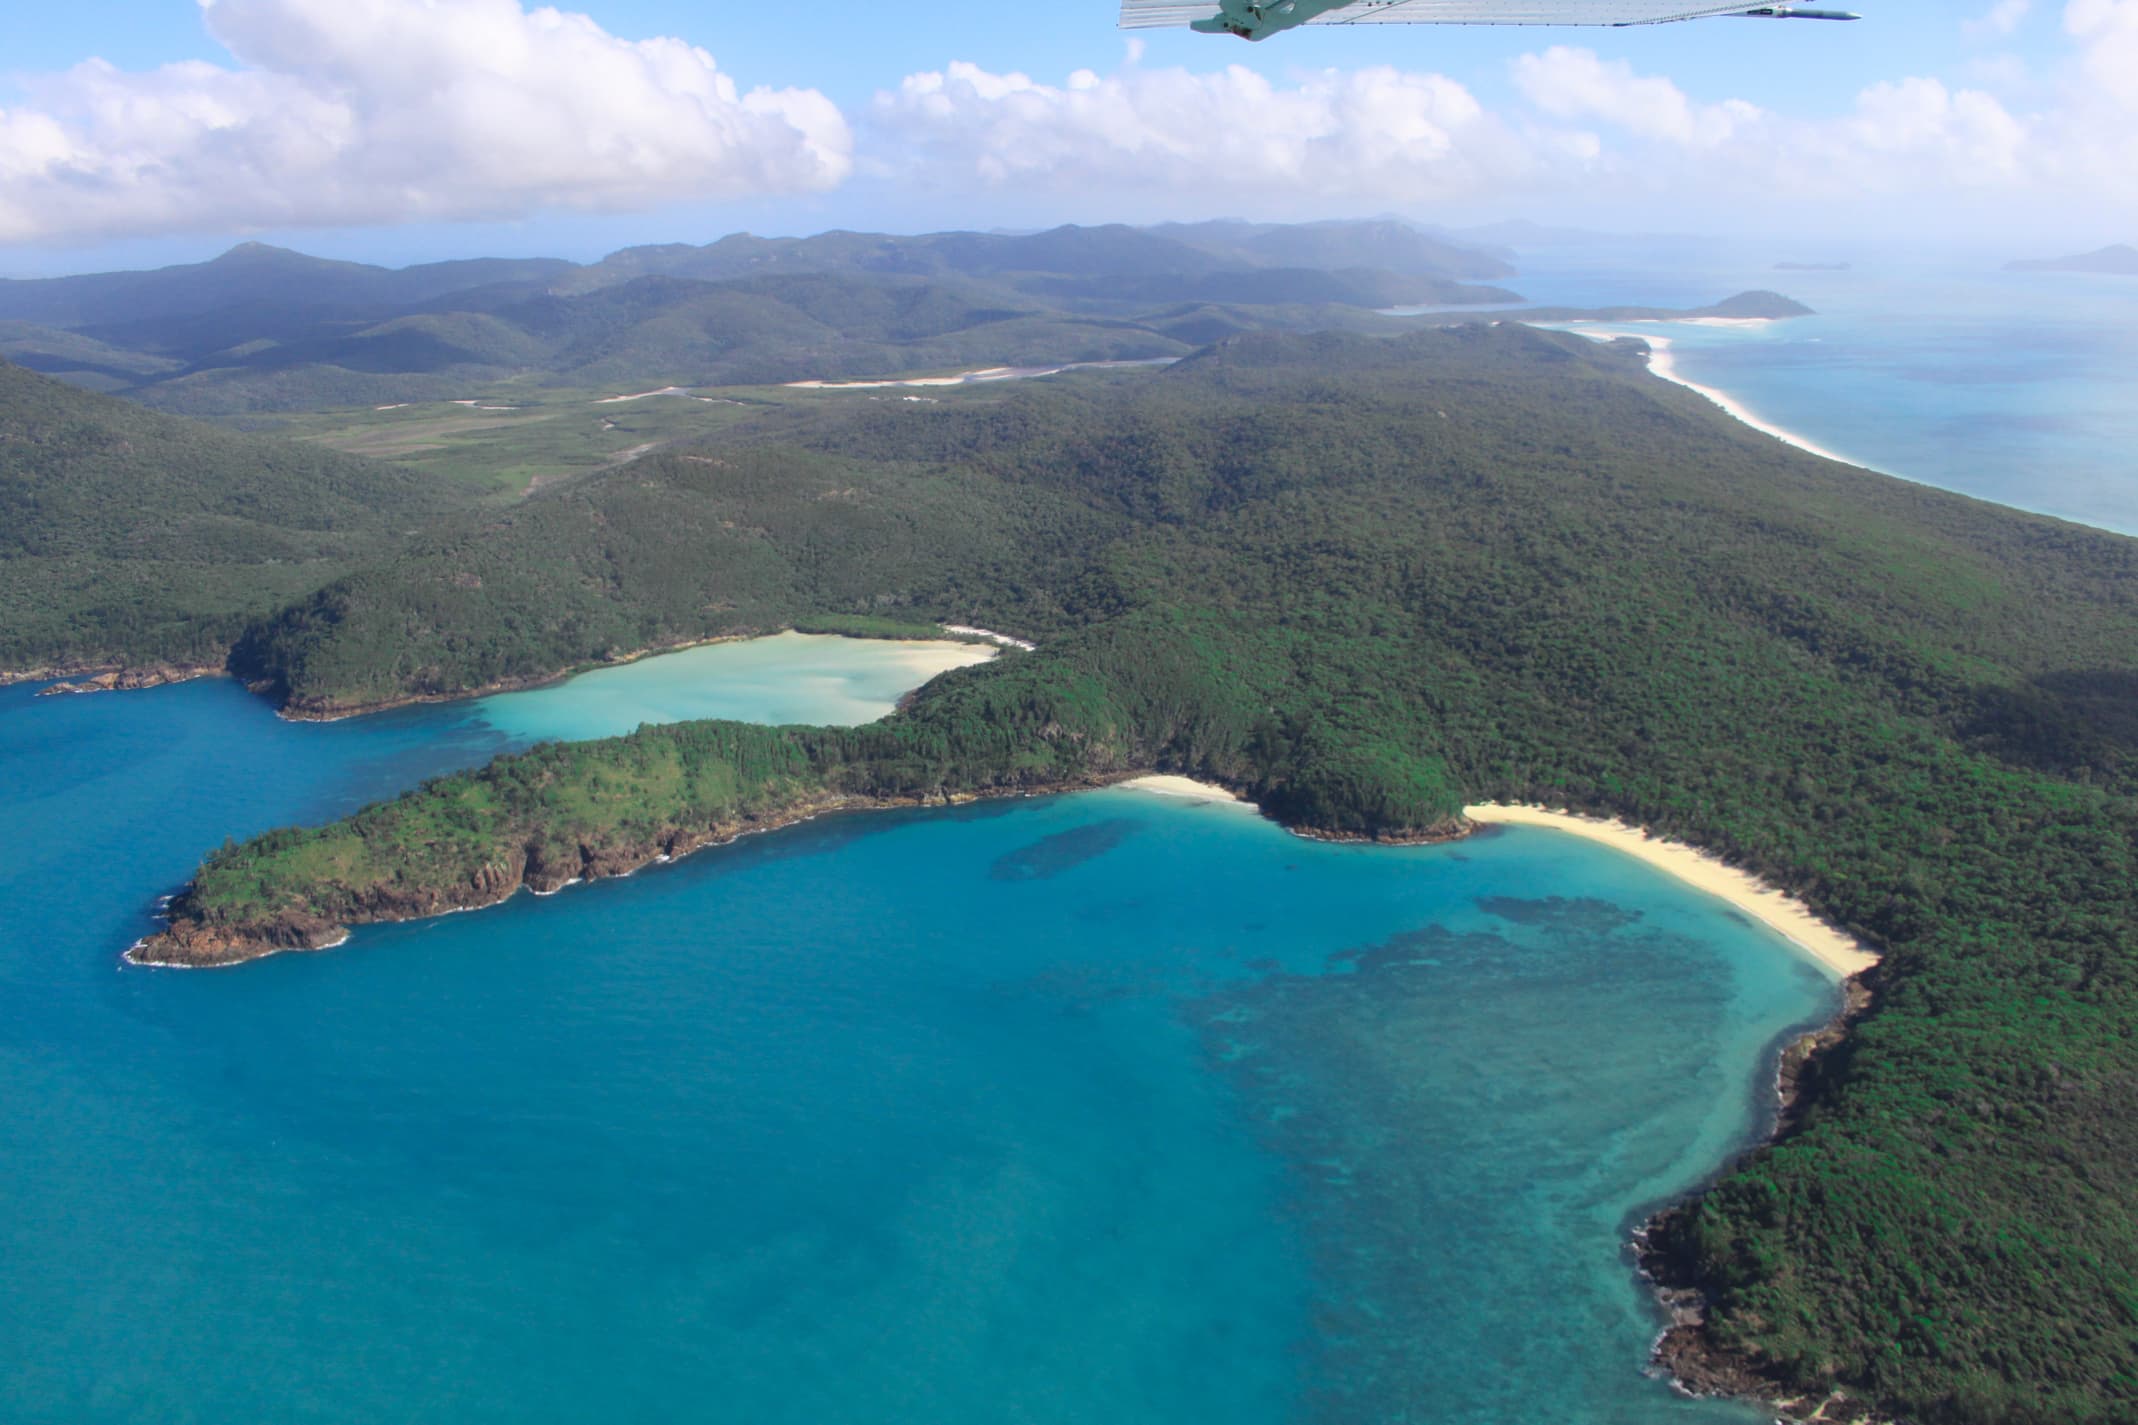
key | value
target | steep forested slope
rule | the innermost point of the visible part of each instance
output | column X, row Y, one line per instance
column 1366, row 582
column 128, row 537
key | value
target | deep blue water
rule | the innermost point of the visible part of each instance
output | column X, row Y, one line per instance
column 2017, row 387
column 1095, row 1108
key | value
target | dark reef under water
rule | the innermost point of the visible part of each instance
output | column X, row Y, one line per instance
column 1104, row 1106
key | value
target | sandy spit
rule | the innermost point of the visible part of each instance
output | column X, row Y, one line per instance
column 1776, row 909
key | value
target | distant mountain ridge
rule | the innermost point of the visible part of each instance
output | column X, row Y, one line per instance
column 2117, row 259
column 261, row 329
column 257, row 273
column 253, row 273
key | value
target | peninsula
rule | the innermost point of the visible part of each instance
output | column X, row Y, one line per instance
column 1754, row 306
column 1368, row 583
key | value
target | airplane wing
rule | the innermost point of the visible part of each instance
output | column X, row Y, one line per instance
column 1150, row 14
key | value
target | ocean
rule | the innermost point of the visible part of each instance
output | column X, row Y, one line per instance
column 1096, row 1107
column 2016, row 387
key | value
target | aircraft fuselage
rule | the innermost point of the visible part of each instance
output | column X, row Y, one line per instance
column 1259, row 19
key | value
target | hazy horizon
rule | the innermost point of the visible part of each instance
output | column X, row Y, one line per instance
column 399, row 250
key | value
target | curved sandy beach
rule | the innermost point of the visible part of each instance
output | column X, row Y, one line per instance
column 1166, row 785
column 1741, row 890
column 1663, row 362
column 1776, row 909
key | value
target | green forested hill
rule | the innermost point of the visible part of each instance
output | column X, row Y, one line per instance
column 128, row 537
column 1368, row 581
column 759, row 330
column 264, row 330
column 270, row 278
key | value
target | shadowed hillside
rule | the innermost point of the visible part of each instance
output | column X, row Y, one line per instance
column 131, row 538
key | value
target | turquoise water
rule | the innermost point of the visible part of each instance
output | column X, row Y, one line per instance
column 2018, row 387
column 1097, row 1108
column 789, row 677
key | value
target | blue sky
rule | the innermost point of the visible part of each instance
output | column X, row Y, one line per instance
column 339, row 126
column 851, row 48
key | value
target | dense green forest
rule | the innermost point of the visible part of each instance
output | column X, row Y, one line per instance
column 261, row 330
column 131, row 538
column 1367, row 581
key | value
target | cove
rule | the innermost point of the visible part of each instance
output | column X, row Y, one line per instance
column 1107, row 1106
column 784, row 678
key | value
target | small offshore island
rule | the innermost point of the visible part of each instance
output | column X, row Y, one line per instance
column 1366, row 582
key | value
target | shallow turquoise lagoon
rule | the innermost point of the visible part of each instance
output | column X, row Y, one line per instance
column 789, row 677
column 1109, row 1107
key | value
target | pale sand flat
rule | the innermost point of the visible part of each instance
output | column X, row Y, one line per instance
column 928, row 657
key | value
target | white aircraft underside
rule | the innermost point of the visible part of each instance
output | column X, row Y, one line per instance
column 1257, row 19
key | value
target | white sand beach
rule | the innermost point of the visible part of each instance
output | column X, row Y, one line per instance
column 958, row 380
column 1165, row 785
column 1741, row 890
column 642, row 395
column 978, row 376
column 968, row 631
column 925, row 658
column 1663, row 362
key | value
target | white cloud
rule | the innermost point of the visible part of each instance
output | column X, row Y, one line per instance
column 1585, row 131
column 345, row 112
column 360, row 112
column 1375, row 133
column 2107, row 32
column 1998, row 21
column 1569, row 83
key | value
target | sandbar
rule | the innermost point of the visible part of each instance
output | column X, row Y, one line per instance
column 1776, row 909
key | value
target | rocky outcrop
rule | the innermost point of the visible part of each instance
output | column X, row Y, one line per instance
column 201, row 945
column 118, row 680
column 1687, row 1350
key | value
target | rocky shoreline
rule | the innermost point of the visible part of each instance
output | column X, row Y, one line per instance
column 108, row 678
column 190, row 941
column 1695, row 1363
